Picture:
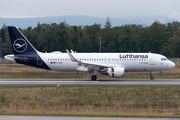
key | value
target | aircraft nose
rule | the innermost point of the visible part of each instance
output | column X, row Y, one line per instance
column 172, row 65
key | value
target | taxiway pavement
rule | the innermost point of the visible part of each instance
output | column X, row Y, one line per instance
column 23, row 117
column 89, row 82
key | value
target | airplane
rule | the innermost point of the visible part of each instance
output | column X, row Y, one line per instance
column 111, row 64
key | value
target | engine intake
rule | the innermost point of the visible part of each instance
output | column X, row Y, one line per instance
column 116, row 72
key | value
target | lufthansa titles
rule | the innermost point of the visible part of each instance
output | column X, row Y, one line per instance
column 132, row 56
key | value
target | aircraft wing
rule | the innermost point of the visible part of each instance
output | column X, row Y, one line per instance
column 89, row 65
column 95, row 65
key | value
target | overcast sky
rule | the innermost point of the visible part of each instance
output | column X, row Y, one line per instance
column 96, row 8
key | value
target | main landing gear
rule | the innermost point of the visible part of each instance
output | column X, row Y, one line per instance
column 93, row 77
column 151, row 77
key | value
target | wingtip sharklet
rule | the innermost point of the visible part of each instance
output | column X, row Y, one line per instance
column 71, row 56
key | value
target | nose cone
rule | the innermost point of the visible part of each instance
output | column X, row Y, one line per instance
column 172, row 65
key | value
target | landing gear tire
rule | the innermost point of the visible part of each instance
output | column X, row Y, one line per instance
column 93, row 77
column 152, row 78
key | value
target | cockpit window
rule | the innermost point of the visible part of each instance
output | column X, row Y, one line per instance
column 164, row 59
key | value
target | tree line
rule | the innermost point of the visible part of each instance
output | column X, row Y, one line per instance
column 156, row 38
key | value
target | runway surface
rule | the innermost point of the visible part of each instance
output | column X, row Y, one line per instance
column 19, row 117
column 89, row 82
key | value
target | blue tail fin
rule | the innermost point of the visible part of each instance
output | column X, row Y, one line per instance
column 24, row 52
column 19, row 42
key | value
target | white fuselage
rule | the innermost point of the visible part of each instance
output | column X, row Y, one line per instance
column 129, row 61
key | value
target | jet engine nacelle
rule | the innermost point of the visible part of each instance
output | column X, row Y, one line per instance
column 82, row 69
column 116, row 72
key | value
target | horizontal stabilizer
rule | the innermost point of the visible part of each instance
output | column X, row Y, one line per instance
column 12, row 57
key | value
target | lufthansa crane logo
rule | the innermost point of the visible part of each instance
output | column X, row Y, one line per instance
column 20, row 45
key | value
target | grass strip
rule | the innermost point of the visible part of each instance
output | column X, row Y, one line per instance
column 21, row 71
column 90, row 115
column 91, row 100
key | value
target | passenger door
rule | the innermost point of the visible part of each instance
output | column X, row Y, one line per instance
column 152, row 60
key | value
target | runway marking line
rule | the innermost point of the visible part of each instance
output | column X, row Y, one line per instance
column 51, row 81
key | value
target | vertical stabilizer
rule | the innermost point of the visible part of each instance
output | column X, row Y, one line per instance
column 24, row 52
column 19, row 42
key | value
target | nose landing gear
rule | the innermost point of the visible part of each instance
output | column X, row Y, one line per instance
column 151, row 77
